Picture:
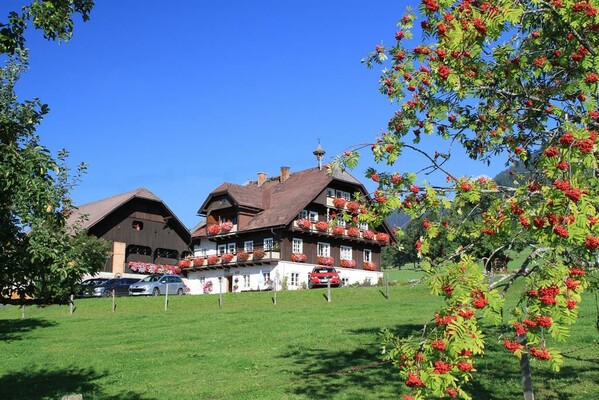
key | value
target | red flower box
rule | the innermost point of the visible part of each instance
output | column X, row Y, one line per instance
column 243, row 256
column 213, row 259
column 298, row 257
column 322, row 226
column 347, row 263
column 198, row 261
column 184, row 263
column 213, row 229
column 382, row 237
column 227, row 257
column 226, row 226
column 339, row 202
column 258, row 254
column 328, row 261
column 368, row 234
column 369, row 265
column 353, row 232
column 338, row 230
column 303, row 223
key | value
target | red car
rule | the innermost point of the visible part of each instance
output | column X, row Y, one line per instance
column 321, row 276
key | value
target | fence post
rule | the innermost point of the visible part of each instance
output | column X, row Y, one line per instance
column 23, row 311
column 72, row 305
column 274, row 299
column 113, row 301
column 329, row 291
column 220, row 291
column 166, row 299
column 387, row 285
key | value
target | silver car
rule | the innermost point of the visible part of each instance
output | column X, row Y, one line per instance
column 157, row 284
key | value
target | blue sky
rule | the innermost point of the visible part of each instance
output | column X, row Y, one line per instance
column 181, row 96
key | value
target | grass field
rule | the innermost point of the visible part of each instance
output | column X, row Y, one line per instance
column 302, row 348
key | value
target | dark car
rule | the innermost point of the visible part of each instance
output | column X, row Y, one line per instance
column 89, row 283
column 322, row 276
column 119, row 286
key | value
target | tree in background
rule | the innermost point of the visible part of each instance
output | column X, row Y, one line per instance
column 41, row 258
column 517, row 79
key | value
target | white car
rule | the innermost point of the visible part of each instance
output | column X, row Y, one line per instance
column 157, row 284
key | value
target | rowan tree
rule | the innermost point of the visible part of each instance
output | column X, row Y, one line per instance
column 41, row 258
column 516, row 79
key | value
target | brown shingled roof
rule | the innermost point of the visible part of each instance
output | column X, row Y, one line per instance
column 98, row 210
column 285, row 199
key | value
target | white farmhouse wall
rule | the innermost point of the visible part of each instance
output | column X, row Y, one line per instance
column 204, row 248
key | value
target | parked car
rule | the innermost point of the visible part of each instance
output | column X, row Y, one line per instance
column 156, row 284
column 321, row 276
column 87, row 284
column 120, row 287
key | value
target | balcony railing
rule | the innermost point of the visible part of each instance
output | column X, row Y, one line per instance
column 233, row 259
column 323, row 228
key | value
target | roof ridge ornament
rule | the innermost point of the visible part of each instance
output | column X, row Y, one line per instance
column 319, row 153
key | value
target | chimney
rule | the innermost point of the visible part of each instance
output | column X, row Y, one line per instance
column 261, row 178
column 284, row 174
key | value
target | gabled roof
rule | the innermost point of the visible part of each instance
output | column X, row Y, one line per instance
column 98, row 210
column 279, row 203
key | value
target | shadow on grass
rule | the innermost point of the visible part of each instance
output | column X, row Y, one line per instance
column 324, row 374
column 13, row 329
column 38, row 384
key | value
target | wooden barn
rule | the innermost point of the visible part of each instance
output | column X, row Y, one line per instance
column 140, row 226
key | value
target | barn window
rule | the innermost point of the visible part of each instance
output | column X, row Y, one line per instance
column 138, row 225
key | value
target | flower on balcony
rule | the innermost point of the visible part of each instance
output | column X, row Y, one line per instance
column 149, row 268
column 353, row 206
column 338, row 230
column 213, row 229
column 347, row 263
column 258, row 254
column 226, row 226
column 298, row 257
column 198, row 261
column 227, row 257
column 369, row 265
column 339, row 202
column 303, row 223
column 213, row 259
column 382, row 237
column 322, row 260
column 184, row 263
column 322, row 226
column 353, row 232
column 368, row 234
column 243, row 256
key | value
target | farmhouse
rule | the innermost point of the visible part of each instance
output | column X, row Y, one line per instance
column 140, row 227
column 269, row 233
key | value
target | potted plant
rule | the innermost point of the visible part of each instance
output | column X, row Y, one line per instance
column 347, row 263
column 213, row 259
column 298, row 257
column 369, row 265
column 382, row 237
column 226, row 226
column 338, row 230
column 227, row 257
column 322, row 226
column 213, row 229
column 185, row 263
column 324, row 260
column 303, row 223
column 198, row 261
column 368, row 234
column 243, row 256
column 258, row 254
column 353, row 232
column 339, row 202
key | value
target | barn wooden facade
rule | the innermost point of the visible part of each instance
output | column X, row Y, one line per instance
column 140, row 227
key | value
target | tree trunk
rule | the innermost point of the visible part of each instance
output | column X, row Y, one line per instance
column 525, row 372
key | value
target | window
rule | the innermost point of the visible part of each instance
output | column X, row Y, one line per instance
column 363, row 226
column 297, row 246
column 294, row 281
column 313, row 216
column 268, row 244
column 341, row 222
column 324, row 249
column 345, row 281
column 231, row 248
column 221, row 249
column 138, row 225
column 200, row 251
column 343, row 195
column 248, row 246
column 141, row 250
column 346, row 253
column 167, row 253
column 303, row 214
column 330, row 192
column 266, row 277
column 367, row 255
column 246, row 281
column 202, row 279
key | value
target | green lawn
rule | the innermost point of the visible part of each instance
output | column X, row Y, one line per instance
column 302, row 348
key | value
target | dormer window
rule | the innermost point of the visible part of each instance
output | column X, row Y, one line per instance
column 137, row 225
